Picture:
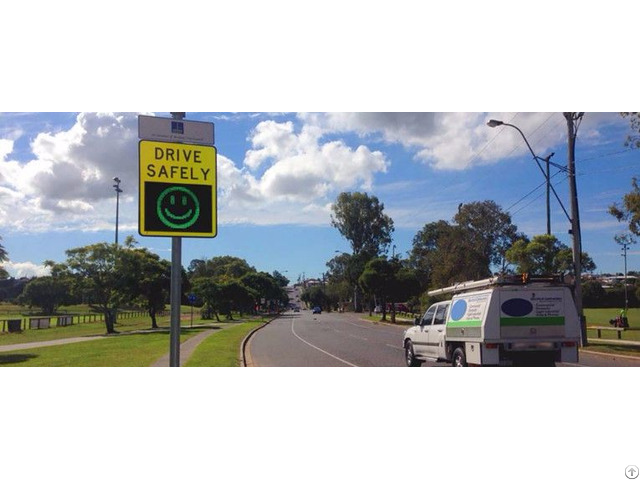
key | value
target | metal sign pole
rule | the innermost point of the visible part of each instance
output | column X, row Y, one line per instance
column 176, row 280
column 176, row 176
column 176, row 293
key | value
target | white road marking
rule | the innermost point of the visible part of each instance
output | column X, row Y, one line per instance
column 318, row 348
column 358, row 337
column 356, row 325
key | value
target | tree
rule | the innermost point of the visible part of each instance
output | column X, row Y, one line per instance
column 593, row 294
column 4, row 256
column 545, row 255
column 223, row 268
column 96, row 274
column 389, row 282
column 361, row 220
column 47, row 293
column 316, row 296
column 146, row 278
column 263, row 285
column 208, row 291
column 235, row 296
column 633, row 140
column 489, row 231
column 425, row 249
column 376, row 279
column 630, row 209
column 280, row 278
column 443, row 254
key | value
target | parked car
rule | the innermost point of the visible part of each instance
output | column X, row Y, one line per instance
column 317, row 310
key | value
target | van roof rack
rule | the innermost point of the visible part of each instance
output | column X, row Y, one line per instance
column 499, row 280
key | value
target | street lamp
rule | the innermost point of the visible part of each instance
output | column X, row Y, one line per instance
column 496, row 123
column 116, row 186
column 573, row 120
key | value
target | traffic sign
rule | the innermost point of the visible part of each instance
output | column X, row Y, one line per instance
column 177, row 190
column 174, row 130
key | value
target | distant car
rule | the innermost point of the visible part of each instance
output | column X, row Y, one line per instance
column 296, row 309
column 378, row 309
column 317, row 310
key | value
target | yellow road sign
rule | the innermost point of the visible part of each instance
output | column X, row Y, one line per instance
column 177, row 190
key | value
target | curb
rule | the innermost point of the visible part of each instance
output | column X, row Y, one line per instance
column 603, row 354
column 245, row 340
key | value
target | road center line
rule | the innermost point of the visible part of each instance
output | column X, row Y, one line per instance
column 358, row 337
column 317, row 348
column 356, row 325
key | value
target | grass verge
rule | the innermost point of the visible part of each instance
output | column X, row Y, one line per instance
column 221, row 349
column 129, row 350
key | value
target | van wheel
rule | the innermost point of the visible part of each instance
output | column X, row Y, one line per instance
column 409, row 356
column 459, row 359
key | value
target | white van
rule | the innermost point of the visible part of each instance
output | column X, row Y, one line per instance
column 498, row 321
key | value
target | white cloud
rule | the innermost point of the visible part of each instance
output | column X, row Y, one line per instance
column 287, row 176
column 26, row 269
column 68, row 182
column 456, row 141
column 291, row 177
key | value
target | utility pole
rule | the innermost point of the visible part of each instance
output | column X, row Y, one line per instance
column 548, row 195
column 626, row 298
column 573, row 121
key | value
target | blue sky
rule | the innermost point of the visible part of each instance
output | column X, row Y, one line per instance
column 279, row 173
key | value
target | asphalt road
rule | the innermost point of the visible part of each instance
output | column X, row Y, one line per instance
column 326, row 340
column 344, row 340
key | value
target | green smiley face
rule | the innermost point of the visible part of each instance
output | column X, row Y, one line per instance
column 178, row 207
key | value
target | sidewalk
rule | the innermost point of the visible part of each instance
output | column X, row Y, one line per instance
column 48, row 343
column 186, row 348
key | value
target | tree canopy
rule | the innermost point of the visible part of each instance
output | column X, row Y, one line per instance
column 544, row 255
column 361, row 220
column 4, row 256
column 629, row 211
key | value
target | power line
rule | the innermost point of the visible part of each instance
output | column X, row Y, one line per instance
column 489, row 142
column 533, row 191
column 525, row 206
column 609, row 154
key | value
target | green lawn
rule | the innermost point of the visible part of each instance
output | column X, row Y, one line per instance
column 80, row 330
column 98, row 328
column 132, row 350
column 222, row 348
column 601, row 316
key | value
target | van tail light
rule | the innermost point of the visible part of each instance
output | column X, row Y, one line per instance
column 569, row 344
column 491, row 345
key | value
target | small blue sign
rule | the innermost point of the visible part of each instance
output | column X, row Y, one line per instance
column 191, row 297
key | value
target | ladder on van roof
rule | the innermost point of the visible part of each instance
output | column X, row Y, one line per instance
column 499, row 280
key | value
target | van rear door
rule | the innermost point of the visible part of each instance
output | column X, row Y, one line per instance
column 527, row 313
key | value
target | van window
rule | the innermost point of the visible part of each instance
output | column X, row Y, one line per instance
column 441, row 314
column 428, row 317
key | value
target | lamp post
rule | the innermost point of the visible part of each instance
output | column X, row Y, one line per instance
column 116, row 186
column 496, row 123
column 625, row 240
column 573, row 120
